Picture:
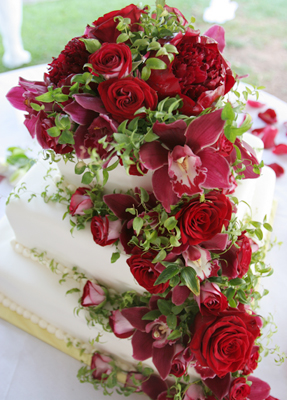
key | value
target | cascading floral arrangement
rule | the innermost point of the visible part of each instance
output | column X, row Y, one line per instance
column 146, row 90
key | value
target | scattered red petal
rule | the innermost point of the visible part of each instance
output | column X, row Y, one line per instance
column 285, row 126
column 2, row 177
column 267, row 135
column 269, row 116
column 255, row 104
column 280, row 149
column 279, row 171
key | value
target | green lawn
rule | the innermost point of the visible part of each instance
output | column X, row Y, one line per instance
column 256, row 37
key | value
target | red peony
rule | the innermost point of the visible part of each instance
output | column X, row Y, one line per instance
column 235, row 262
column 239, row 390
column 146, row 273
column 224, row 343
column 104, row 231
column 80, row 201
column 106, row 27
column 201, row 221
column 123, row 97
column 112, row 60
column 70, row 61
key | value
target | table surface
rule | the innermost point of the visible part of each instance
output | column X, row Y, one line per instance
column 31, row 369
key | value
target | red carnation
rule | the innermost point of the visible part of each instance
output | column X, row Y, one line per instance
column 123, row 97
column 70, row 61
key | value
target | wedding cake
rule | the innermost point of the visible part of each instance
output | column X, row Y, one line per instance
column 139, row 240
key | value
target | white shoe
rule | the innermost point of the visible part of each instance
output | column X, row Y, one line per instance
column 16, row 59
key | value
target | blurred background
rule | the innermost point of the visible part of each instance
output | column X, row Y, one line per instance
column 256, row 37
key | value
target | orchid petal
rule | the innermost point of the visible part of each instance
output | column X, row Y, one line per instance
column 171, row 134
column 15, row 96
column 259, row 389
column 162, row 359
column 134, row 316
column 218, row 169
column 142, row 345
column 153, row 386
column 153, row 155
column 180, row 294
column 163, row 189
column 121, row 327
column 217, row 33
column 81, row 151
column 79, row 114
column 118, row 203
column 204, row 130
column 90, row 102
column 218, row 242
column 219, row 386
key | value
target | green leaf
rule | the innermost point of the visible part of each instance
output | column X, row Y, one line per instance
column 144, row 195
column 115, row 257
column 259, row 234
column 171, row 321
column 92, row 45
column 123, row 37
column 60, row 97
column 80, row 167
column 256, row 224
column 45, row 98
column 66, row 138
column 189, row 279
column 87, row 178
column 141, row 42
column 137, row 224
column 174, row 335
column 151, row 315
column 145, row 73
column 54, row 131
column 160, row 256
column 63, row 122
column 228, row 112
column 155, row 63
column 171, row 49
column 268, row 227
column 164, row 306
column 121, row 138
column 167, row 274
column 153, row 46
column 230, row 293
column 236, row 282
column 36, row 106
column 75, row 290
column 150, row 136
column 105, row 176
column 177, row 309
column 170, row 223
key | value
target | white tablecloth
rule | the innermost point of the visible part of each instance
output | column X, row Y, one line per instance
column 31, row 369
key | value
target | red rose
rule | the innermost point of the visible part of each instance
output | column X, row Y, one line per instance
column 235, row 262
column 112, row 60
column 70, row 61
column 252, row 363
column 104, row 231
column 146, row 273
column 224, row 343
column 106, row 27
column 80, row 201
column 123, row 97
column 120, row 325
column 201, row 221
column 239, row 390
column 211, row 300
column 93, row 295
column 101, row 364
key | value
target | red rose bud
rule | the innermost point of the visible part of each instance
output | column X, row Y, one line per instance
column 201, row 221
column 235, row 262
column 80, row 201
column 104, row 231
column 239, row 390
column 123, row 97
column 146, row 273
column 120, row 325
column 70, row 61
column 101, row 365
column 93, row 295
column 112, row 60
column 211, row 300
column 224, row 343
column 179, row 364
column 252, row 363
column 194, row 392
column 134, row 380
column 269, row 116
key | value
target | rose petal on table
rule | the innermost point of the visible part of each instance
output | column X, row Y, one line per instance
column 269, row 116
column 285, row 126
column 279, row 171
column 280, row 149
column 267, row 135
column 2, row 177
column 255, row 104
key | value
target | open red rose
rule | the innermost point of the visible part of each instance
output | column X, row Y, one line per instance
column 239, row 390
column 93, row 295
column 224, row 343
column 146, row 273
column 106, row 27
column 123, row 97
column 112, row 60
column 201, row 221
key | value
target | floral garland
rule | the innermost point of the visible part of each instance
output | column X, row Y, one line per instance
column 145, row 90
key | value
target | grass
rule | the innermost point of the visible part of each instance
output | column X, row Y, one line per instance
column 50, row 24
